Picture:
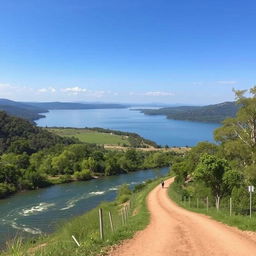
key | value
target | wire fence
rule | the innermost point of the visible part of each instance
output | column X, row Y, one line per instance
column 110, row 222
column 224, row 205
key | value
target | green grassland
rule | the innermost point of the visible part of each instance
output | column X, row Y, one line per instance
column 90, row 136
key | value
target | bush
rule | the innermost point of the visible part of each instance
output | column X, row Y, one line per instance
column 83, row 175
column 123, row 198
column 123, row 193
column 6, row 189
column 139, row 187
column 65, row 178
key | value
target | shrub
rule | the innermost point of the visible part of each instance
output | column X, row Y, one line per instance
column 6, row 189
column 83, row 175
column 123, row 193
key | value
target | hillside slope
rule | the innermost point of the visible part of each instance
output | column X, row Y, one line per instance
column 22, row 110
column 18, row 135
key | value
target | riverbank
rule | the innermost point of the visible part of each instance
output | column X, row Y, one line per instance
column 86, row 228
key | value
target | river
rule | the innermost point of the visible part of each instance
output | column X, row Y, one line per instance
column 157, row 128
column 39, row 211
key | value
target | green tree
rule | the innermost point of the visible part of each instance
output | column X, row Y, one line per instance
column 210, row 171
column 90, row 164
column 241, row 130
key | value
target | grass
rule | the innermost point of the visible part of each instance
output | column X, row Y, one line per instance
column 242, row 222
column 89, row 136
column 86, row 230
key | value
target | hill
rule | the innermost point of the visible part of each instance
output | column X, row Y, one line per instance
column 18, row 136
column 215, row 113
column 32, row 110
column 22, row 110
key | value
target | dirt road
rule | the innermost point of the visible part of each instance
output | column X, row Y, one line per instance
column 178, row 232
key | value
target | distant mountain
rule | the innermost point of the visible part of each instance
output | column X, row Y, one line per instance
column 211, row 113
column 71, row 105
column 22, row 110
column 32, row 110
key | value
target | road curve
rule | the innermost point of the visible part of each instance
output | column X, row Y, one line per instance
column 177, row 232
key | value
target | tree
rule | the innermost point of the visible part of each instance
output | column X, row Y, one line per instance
column 241, row 129
column 90, row 164
column 210, row 171
column 64, row 163
column 232, row 179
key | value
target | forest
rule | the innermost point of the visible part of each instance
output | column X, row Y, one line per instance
column 225, row 169
column 32, row 157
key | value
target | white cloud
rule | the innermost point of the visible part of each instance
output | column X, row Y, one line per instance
column 158, row 93
column 11, row 91
column 46, row 90
column 90, row 93
column 227, row 82
column 97, row 94
column 5, row 87
column 74, row 90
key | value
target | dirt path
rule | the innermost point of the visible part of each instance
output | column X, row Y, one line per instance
column 178, row 232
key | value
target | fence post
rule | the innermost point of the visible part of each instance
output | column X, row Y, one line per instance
column 122, row 216
column 230, row 206
column 207, row 204
column 250, row 204
column 101, row 224
column 111, row 221
column 197, row 203
column 189, row 202
column 125, row 217
column 127, row 212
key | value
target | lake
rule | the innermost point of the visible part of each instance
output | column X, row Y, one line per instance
column 157, row 128
column 36, row 212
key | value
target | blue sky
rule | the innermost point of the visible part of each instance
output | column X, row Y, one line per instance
column 190, row 52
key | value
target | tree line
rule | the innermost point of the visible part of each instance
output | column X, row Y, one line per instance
column 31, row 158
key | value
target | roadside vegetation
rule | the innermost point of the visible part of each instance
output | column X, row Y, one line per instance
column 199, row 205
column 221, row 173
column 86, row 227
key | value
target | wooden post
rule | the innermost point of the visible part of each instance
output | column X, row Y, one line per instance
column 197, row 203
column 230, row 206
column 189, row 201
column 101, row 224
column 127, row 212
column 111, row 221
column 207, row 203
column 122, row 215
column 250, row 204
column 129, row 205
